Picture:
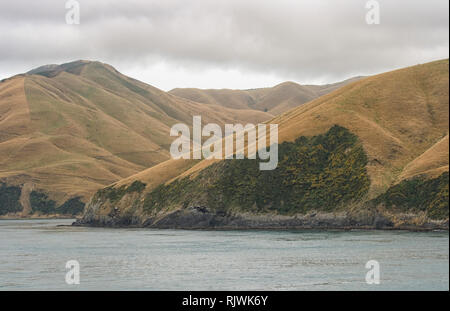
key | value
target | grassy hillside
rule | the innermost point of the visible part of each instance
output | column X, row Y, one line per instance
column 69, row 130
column 274, row 100
column 396, row 124
column 397, row 115
column 319, row 173
column 433, row 162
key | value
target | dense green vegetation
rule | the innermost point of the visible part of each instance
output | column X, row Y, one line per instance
column 9, row 199
column 163, row 196
column 72, row 206
column 40, row 203
column 419, row 194
column 321, row 173
column 115, row 194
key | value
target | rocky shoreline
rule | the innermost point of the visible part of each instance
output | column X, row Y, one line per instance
column 201, row 218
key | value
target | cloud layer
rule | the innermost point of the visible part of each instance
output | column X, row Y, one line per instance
column 228, row 43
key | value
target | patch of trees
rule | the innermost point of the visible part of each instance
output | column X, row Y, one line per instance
column 419, row 194
column 9, row 199
column 321, row 173
column 115, row 194
column 40, row 203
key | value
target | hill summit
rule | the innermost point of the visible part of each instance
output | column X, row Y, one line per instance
column 372, row 154
column 68, row 130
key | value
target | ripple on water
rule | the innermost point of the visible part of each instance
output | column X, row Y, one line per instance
column 34, row 253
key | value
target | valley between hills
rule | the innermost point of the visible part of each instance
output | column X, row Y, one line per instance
column 369, row 152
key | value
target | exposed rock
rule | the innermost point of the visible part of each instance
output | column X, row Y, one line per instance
column 200, row 217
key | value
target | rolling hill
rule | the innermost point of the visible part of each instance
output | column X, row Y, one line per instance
column 372, row 154
column 68, row 130
column 274, row 100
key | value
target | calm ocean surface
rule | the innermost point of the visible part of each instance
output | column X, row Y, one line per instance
column 33, row 255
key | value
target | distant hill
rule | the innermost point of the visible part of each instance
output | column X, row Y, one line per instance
column 274, row 100
column 372, row 154
column 68, row 130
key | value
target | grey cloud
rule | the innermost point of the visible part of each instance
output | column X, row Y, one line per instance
column 306, row 40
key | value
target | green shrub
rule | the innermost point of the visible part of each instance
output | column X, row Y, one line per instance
column 321, row 173
column 419, row 194
column 136, row 186
column 73, row 206
column 40, row 203
column 115, row 194
column 9, row 199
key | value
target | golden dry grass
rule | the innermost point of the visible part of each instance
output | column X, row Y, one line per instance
column 77, row 131
column 432, row 162
column 14, row 111
column 397, row 115
column 274, row 100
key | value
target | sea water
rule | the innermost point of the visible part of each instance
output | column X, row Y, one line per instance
column 34, row 253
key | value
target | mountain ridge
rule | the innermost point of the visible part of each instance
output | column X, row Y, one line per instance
column 275, row 100
column 74, row 128
column 396, row 116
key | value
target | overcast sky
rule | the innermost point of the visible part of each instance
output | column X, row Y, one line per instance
column 225, row 43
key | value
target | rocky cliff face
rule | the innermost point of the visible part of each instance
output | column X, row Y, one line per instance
column 102, row 214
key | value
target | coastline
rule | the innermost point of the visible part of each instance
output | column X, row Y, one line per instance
column 202, row 219
column 225, row 228
column 43, row 217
